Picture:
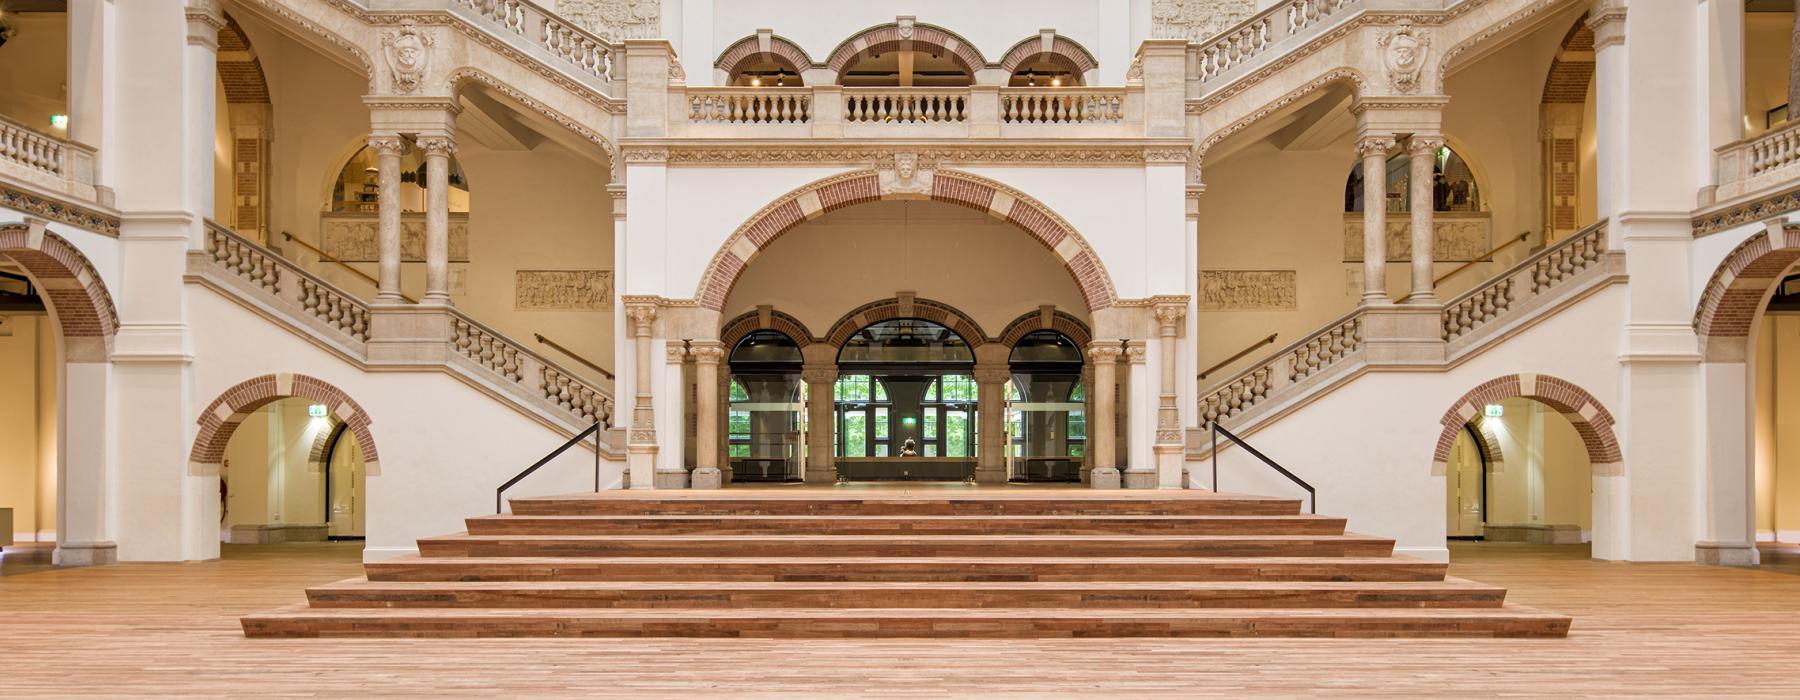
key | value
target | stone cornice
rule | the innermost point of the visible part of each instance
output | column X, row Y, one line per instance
column 1731, row 215
column 59, row 210
column 1096, row 153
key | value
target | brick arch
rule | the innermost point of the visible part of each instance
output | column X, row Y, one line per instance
column 1057, row 321
column 1060, row 45
column 1490, row 443
column 886, row 37
column 77, row 298
column 752, row 321
column 240, row 71
column 863, row 186
column 222, row 417
column 750, row 48
column 1739, row 289
column 1573, row 67
column 321, row 447
column 1591, row 420
column 895, row 307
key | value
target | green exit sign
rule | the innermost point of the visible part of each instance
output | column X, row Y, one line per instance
column 1495, row 410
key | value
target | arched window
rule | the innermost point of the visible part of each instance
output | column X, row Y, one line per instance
column 1453, row 184
column 1046, row 70
column 766, row 70
column 358, row 187
column 904, row 380
column 1046, row 416
column 906, row 341
column 763, row 404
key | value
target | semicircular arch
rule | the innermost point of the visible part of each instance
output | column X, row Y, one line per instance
column 896, row 308
column 891, row 36
column 223, row 416
column 79, row 303
column 1592, row 421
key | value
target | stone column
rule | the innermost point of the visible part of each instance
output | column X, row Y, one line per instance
column 1170, row 444
column 437, row 217
column 640, row 444
column 1423, row 149
column 1374, row 150
column 672, row 463
column 1105, row 357
column 388, row 149
column 707, row 354
column 821, row 430
column 1793, row 64
column 990, row 382
column 1139, row 408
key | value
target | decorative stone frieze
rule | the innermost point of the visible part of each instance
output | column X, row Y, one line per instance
column 1248, row 290
column 406, row 52
column 984, row 154
column 562, row 290
column 615, row 20
column 1403, row 53
column 1196, row 20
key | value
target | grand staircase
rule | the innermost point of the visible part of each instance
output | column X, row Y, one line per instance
column 1012, row 562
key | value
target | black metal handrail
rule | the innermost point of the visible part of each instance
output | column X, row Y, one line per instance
column 593, row 430
column 1311, row 493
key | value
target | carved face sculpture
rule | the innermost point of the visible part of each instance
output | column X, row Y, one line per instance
column 1404, row 52
column 408, row 52
column 905, row 165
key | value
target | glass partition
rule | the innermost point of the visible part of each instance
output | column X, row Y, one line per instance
column 1046, row 413
column 765, row 429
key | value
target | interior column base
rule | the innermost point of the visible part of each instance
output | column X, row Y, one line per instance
column 671, row 478
column 85, row 554
column 1104, row 478
column 706, row 478
column 1727, row 554
column 1140, row 478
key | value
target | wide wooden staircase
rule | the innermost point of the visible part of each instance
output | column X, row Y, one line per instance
column 918, row 562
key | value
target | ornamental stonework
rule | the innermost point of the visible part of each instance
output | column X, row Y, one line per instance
column 1248, row 290
column 562, row 290
column 1456, row 240
column 615, row 20
column 1197, row 20
column 356, row 237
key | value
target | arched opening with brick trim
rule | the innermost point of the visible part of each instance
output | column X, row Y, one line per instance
column 1521, row 455
column 55, row 345
column 1048, row 60
column 242, row 176
column 861, row 187
column 292, row 453
column 1748, row 317
column 763, row 60
column 1565, row 113
column 905, row 53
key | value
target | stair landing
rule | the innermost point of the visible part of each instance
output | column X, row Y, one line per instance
column 905, row 561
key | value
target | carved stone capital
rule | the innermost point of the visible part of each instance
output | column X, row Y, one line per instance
column 388, row 144
column 1170, row 316
column 992, row 375
column 819, row 375
column 1108, row 352
column 642, row 316
column 1137, row 353
column 675, row 352
column 1374, row 146
column 1424, row 144
column 706, row 352
column 438, row 145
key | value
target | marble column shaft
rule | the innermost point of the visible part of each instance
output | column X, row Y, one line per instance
column 388, row 149
column 820, row 423
column 1374, row 150
column 1101, row 431
column 707, row 354
column 990, row 383
column 437, row 217
column 1423, row 151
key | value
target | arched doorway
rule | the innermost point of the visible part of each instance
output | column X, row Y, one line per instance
column 59, row 384
column 905, row 403
column 764, row 402
column 1046, row 409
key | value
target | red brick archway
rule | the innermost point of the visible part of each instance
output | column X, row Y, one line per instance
column 222, row 417
column 1076, row 54
column 892, row 36
column 77, row 299
column 1063, row 323
column 755, row 320
column 1591, row 420
column 1739, row 289
column 859, row 187
column 934, row 311
column 751, row 48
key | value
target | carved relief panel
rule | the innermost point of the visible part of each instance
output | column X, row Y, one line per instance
column 615, row 20
column 562, row 290
column 1197, row 20
column 1458, row 238
column 352, row 237
column 1248, row 290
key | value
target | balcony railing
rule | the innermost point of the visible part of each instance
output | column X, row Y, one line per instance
column 1764, row 162
column 568, row 45
column 1254, row 36
column 832, row 111
column 59, row 165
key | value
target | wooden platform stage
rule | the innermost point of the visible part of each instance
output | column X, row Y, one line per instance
column 898, row 562
column 173, row 630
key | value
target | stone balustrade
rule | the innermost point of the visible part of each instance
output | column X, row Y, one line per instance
column 1535, row 276
column 1766, row 162
column 1253, row 37
column 832, row 111
column 282, row 285
column 750, row 105
column 58, row 165
column 1307, row 357
column 569, row 46
column 1062, row 105
column 905, row 105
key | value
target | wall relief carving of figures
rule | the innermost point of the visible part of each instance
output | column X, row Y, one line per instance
column 615, row 20
column 353, row 237
column 1459, row 239
column 408, row 54
column 1197, row 20
column 1403, row 50
column 1248, row 290
column 562, row 290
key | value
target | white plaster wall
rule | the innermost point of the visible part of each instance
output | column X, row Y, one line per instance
column 34, row 68
column 1768, row 42
column 1548, row 477
column 444, row 446
column 1376, row 466
column 1778, row 428
column 27, row 416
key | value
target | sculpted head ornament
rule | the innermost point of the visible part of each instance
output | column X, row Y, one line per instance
column 1403, row 55
column 406, row 51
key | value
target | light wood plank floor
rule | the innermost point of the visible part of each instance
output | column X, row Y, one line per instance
column 172, row 629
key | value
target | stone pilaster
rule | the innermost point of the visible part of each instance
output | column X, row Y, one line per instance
column 388, row 149
column 707, row 354
column 821, row 424
column 640, row 443
column 671, row 473
column 1104, row 355
column 1140, row 464
column 1423, row 150
column 438, row 148
column 1170, row 444
column 990, row 382
column 1374, row 150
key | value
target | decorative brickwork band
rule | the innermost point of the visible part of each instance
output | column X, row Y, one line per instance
column 937, row 312
column 1076, row 54
column 893, row 36
column 1063, row 323
column 1591, row 420
column 1739, row 289
column 859, row 187
column 222, row 417
column 751, row 49
column 71, row 287
column 752, row 321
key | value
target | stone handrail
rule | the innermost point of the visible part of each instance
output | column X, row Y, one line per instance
column 906, row 105
column 1531, row 277
column 571, row 45
column 1252, row 37
column 1310, row 356
column 750, row 105
column 532, row 378
column 1070, row 105
column 60, row 165
column 1767, row 161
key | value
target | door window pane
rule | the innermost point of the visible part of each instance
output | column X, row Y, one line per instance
column 931, row 424
column 856, row 435
column 956, row 428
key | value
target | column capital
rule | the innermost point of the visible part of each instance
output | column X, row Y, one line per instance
column 1607, row 20
column 1137, row 352
column 1170, row 314
column 204, row 20
column 1105, row 351
column 1423, row 143
column 819, row 375
column 437, row 145
column 388, row 144
column 1374, row 146
column 992, row 375
column 706, row 352
column 675, row 352
column 642, row 315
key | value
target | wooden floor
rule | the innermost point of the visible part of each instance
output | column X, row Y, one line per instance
column 172, row 629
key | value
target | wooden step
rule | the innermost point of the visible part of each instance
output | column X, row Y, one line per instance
column 904, row 569
column 805, row 623
column 733, row 502
column 906, row 546
column 362, row 593
column 905, row 525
